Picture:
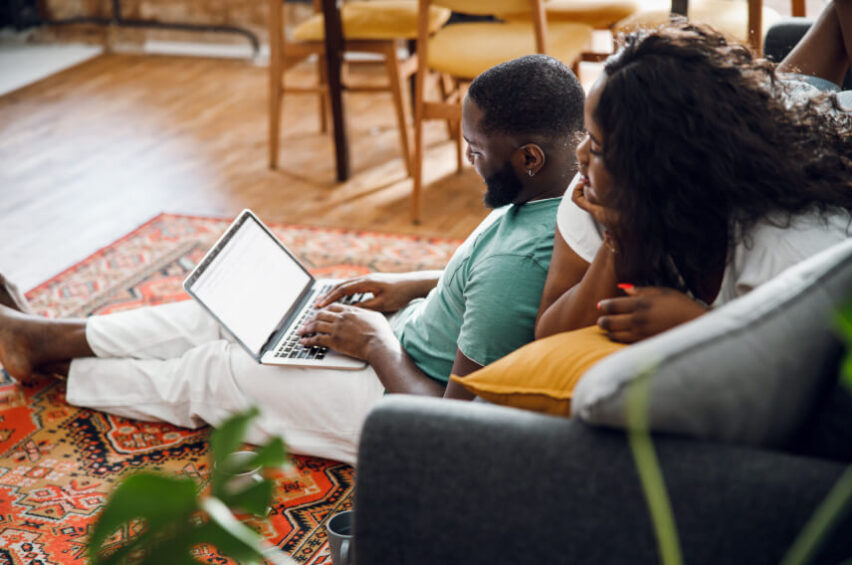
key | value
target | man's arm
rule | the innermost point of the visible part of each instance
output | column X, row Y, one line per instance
column 398, row 373
column 391, row 291
column 461, row 367
column 367, row 335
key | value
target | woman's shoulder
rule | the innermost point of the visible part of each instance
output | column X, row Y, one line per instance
column 808, row 228
column 784, row 239
column 778, row 242
column 576, row 226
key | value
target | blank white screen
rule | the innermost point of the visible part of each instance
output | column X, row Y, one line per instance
column 251, row 284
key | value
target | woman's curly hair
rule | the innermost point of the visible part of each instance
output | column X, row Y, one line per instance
column 702, row 140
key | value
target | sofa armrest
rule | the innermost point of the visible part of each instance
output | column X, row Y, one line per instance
column 443, row 481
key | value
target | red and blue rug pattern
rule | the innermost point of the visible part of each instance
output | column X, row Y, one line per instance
column 58, row 463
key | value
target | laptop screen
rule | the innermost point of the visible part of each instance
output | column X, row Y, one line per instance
column 251, row 284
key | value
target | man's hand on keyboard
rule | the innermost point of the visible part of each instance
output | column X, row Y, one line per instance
column 391, row 291
column 349, row 330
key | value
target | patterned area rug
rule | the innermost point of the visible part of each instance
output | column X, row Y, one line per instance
column 58, row 463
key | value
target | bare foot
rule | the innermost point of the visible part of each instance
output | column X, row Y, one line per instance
column 16, row 343
column 12, row 297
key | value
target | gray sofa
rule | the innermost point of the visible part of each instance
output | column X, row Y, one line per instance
column 443, row 482
column 745, row 468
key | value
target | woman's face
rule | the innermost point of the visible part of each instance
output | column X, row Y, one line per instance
column 597, row 180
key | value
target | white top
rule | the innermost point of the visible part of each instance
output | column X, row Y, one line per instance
column 761, row 255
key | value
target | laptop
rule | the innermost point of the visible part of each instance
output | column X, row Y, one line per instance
column 261, row 294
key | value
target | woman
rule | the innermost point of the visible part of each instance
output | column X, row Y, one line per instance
column 702, row 176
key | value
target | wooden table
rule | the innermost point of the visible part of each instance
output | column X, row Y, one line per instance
column 334, row 60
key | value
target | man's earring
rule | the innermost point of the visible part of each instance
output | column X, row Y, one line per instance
column 532, row 174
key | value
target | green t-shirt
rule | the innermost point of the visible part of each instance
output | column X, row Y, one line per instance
column 487, row 298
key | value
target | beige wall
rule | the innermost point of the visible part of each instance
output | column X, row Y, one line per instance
column 248, row 14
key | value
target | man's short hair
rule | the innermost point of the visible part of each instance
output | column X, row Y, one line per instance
column 535, row 94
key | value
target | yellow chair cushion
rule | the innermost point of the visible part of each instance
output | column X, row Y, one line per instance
column 730, row 17
column 386, row 19
column 600, row 14
column 541, row 376
column 486, row 7
column 465, row 50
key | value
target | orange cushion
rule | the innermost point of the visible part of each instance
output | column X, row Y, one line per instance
column 541, row 376
column 465, row 50
column 386, row 19
column 730, row 17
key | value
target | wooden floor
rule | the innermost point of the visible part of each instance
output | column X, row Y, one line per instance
column 88, row 154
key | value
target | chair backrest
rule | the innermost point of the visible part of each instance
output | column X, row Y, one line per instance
column 485, row 7
column 490, row 7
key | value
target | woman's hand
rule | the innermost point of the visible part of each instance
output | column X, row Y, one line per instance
column 349, row 330
column 608, row 217
column 390, row 291
column 645, row 312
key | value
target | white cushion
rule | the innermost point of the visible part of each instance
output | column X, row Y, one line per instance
column 747, row 373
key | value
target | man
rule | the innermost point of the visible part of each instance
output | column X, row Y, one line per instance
column 174, row 362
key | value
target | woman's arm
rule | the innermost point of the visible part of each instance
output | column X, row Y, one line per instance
column 573, row 288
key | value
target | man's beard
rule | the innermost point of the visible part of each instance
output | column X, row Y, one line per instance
column 503, row 187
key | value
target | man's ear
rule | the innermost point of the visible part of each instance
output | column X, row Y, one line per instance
column 531, row 158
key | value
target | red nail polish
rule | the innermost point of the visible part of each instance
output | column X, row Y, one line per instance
column 599, row 304
column 625, row 286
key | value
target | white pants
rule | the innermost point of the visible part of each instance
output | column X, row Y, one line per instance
column 174, row 363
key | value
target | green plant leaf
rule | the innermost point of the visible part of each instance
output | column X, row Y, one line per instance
column 176, row 520
column 843, row 322
column 228, row 534
column 223, row 441
column 229, row 436
column 271, row 454
column 176, row 550
column 846, row 371
column 254, row 499
column 160, row 501
column 822, row 522
column 648, row 466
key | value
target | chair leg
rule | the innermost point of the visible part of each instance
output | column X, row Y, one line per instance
column 396, row 84
column 445, row 88
column 275, row 103
column 459, row 152
column 417, row 158
column 276, row 79
column 449, row 87
column 323, row 97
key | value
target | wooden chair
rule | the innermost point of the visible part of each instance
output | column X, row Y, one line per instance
column 745, row 21
column 368, row 27
column 459, row 52
column 599, row 14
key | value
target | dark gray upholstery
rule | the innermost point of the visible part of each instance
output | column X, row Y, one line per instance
column 443, row 482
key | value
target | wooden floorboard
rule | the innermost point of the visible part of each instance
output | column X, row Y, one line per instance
column 90, row 153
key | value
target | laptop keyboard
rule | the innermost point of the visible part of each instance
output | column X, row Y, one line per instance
column 291, row 348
